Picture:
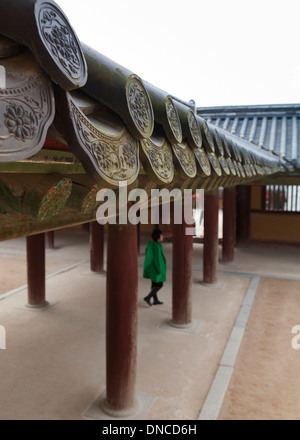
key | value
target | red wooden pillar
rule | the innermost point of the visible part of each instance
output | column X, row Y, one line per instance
column 35, row 245
column 211, row 240
column 243, row 213
column 229, row 221
column 49, row 237
column 138, row 226
column 121, row 320
column 96, row 246
column 182, row 275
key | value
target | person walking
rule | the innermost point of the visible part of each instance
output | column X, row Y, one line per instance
column 155, row 267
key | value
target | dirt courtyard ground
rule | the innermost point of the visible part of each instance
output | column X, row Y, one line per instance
column 265, row 383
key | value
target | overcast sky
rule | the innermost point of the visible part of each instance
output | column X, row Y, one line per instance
column 217, row 52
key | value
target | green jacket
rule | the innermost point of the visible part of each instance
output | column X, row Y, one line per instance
column 155, row 266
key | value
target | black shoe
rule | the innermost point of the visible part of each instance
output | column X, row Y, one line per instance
column 157, row 302
column 147, row 301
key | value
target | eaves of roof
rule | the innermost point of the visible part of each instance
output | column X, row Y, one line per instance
column 120, row 127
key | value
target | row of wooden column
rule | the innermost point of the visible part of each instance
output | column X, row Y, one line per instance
column 122, row 287
column 36, row 269
column 211, row 232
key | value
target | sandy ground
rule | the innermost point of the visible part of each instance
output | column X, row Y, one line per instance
column 14, row 270
column 265, row 383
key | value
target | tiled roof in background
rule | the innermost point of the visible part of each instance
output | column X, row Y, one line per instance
column 275, row 128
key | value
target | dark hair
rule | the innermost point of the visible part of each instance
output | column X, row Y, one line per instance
column 156, row 233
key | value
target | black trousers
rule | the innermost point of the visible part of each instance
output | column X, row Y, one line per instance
column 155, row 287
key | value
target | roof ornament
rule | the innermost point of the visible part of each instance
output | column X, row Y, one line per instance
column 139, row 106
column 219, row 150
column 165, row 113
column 192, row 104
column 26, row 108
column 203, row 164
column 121, row 91
column 206, row 136
column 194, row 129
column 190, row 125
column 173, row 119
column 44, row 28
column 184, row 160
column 102, row 143
column 156, row 157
